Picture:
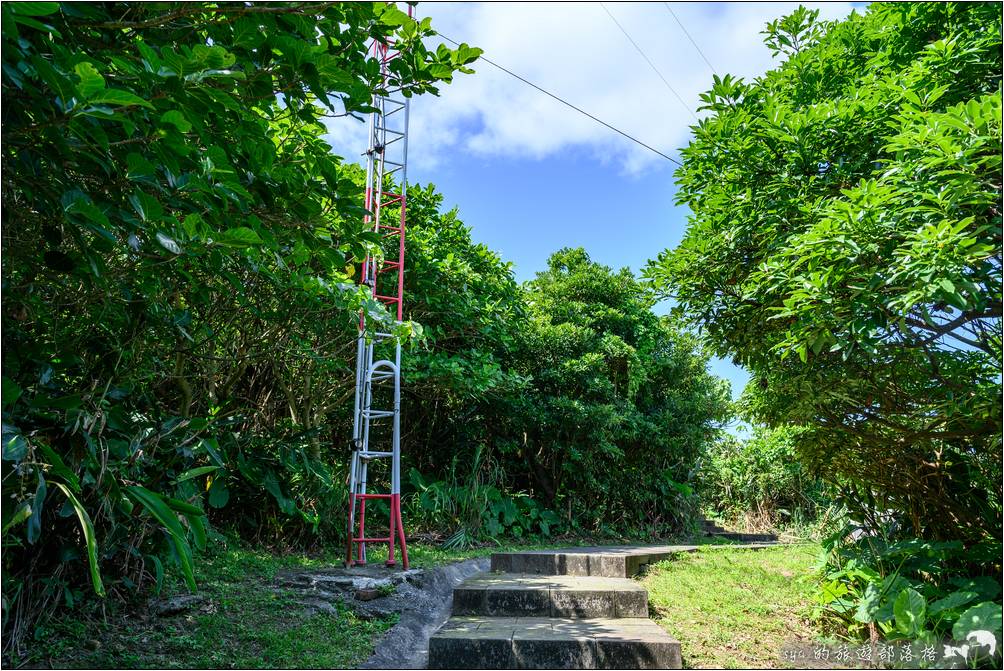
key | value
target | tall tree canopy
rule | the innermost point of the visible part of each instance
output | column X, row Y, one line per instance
column 845, row 247
column 615, row 396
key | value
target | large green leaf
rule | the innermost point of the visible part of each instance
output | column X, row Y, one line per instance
column 195, row 472
column 90, row 540
column 34, row 8
column 910, row 609
column 118, row 97
column 21, row 513
column 952, row 601
column 10, row 391
column 59, row 468
column 985, row 616
column 15, row 447
column 219, row 495
column 168, row 519
column 91, row 81
column 240, row 236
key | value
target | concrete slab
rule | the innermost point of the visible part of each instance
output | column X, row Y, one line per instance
column 527, row 595
column 615, row 561
column 559, row 643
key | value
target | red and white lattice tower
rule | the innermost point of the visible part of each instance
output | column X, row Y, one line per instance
column 386, row 163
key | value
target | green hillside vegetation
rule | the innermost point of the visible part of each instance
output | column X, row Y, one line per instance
column 181, row 302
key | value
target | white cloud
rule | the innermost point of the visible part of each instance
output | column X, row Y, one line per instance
column 578, row 53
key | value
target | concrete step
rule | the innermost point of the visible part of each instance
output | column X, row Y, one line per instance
column 563, row 596
column 552, row 643
column 611, row 562
column 744, row 537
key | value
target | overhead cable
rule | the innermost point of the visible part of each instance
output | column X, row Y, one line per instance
column 687, row 33
column 565, row 102
column 649, row 61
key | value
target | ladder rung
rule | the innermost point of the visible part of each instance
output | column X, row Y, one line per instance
column 373, row 496
column 389, row 299
column 378, row 413
column 371, row 540
column 375, row 455
column 390, row 130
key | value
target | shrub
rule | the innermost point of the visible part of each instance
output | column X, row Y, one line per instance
column 758, row 483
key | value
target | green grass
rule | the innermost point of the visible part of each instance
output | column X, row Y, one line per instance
column 244, row 623
column 733, row 608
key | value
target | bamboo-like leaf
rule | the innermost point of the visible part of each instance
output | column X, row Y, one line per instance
column 89, row 538
column 194, row 473
column 159, row 509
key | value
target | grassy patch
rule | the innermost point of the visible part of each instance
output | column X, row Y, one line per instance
column 734, row 608
column 244, row 623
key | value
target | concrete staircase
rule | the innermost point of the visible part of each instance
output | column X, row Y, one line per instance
column 557, row 609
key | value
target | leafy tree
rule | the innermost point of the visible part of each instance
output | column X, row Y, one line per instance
column 618, row 403
column 526, row 402
column 845, row 247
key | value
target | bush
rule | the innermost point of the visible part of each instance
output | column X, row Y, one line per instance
column 177, row 279
column 845, row 247
column 758, row 483
column 889, row 584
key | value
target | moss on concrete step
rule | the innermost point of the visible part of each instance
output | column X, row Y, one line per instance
column 552, row 643
column 553, row 596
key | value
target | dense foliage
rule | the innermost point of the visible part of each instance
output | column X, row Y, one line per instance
column 179, row 313
column 531, row 410
column 178, row 248
column 758, row 483
column 876, row 581
column 845, row 246
column 617, row 397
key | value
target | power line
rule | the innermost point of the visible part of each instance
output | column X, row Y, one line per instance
column 565, row 102
column 648, row 60
column 687, row 33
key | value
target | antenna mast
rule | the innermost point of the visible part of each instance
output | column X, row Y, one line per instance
column 386, row 161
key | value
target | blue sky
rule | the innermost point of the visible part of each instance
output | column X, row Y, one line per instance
column 526, row 209
column 529, row 175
